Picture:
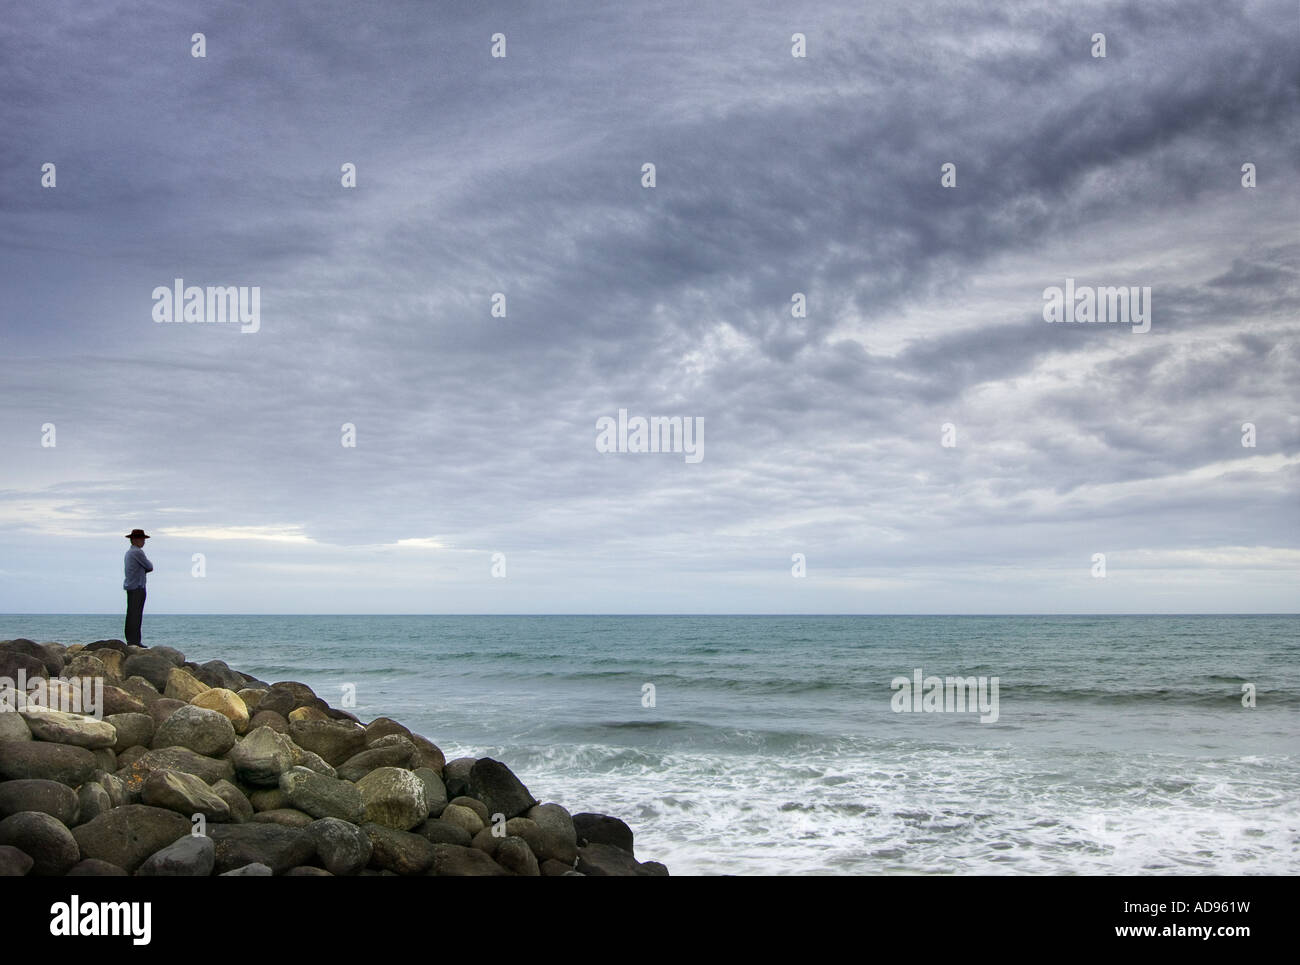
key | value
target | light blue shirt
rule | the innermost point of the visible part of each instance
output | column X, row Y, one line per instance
column 137, row 565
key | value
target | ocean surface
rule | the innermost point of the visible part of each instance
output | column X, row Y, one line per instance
column 1121, row 744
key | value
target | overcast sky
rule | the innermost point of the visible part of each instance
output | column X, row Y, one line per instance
column 775, row 175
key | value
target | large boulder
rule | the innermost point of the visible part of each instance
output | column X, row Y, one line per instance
column 333, row 740
column 206, row 732
column 127, row 835
column 92, row 800
column 343, row 848
column 608, row 860
column 118, row 645
column 191, row 857
column 14, row 862
column 217, row 673
column 559, row 840
column 171, row 653
column 133, row 730
column 402, row 754
column 13, row 727
column 252, row 698
column 269, row 718
column 75, row 729
column 450, row 860
column 435, row 792
column 515, row 856
column 164, row 707
column 50, row 662
column 261, row 757
column 183, row 759
column 241, row 809
column 42, row 760
column 496, row 786
column 183, row 685
column 455, row 774
column 383, row 727
column 12, row 664
column 438, row 831
column 184, row 794
column 87, row 666
column 321, row 796
column 254, row 870
column 602, row 829
column 56, row 799
column 462, row 817
column 153, row 666
column 228, row 704
column 113, row 662
column 288, row 817
column 277, row 847
column 52, row 847
column 431, row 755
column 394, row 798
column 118, row 701
column 277, row 702
column 400, row 852
column 94, row 868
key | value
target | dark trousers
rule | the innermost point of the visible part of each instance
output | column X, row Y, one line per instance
column 134, row 614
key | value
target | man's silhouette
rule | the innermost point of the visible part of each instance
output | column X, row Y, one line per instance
column 137, row 565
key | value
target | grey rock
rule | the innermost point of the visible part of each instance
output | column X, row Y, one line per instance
column 92, row 801
column 401, row 852
column 451, row 860
column 559, row 836
column 612, row 861
column 496, row 786
column 183, row 793
column 343, row 848
column 45, row 839
column 127, row 835
column 14, row 862
column 206, row 732
column 32, row 794
column 273, row 845
column 152, row 666
column 515, row 856
column 254, row 870
column 118, row 702
column 207, row 769
column 13, row 727
column 94, row 868
column 435, row 792
column 323, row 797
column 393, row 797
column 602, row 829
column 437, row 831
column 390, row 755
column 75, row 729
column 261, row 756
column 333, row 740
column 241, row 809
column 285, row 817
column 132, row 730
column 64, row 763
column 456, row 776
column 189, row 857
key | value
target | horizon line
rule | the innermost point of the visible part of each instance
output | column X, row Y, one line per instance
column 117, row 614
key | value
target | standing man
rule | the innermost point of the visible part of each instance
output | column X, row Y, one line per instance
column 137, row 565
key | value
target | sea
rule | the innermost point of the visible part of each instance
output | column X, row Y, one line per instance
column 788, row 745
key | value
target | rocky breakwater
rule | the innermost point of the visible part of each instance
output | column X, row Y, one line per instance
column 186, row 769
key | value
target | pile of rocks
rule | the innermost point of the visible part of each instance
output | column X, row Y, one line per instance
column 200, row 770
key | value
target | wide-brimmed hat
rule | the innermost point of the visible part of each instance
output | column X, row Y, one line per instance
column 137, row 534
